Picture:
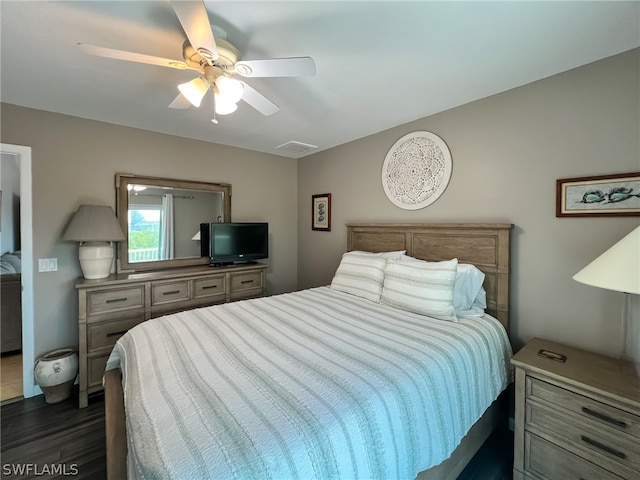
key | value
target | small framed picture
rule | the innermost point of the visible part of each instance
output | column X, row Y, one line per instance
column 601, row 196
column 321, row 212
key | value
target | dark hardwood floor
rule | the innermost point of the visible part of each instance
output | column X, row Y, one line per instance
column 66, row 441
column 494, row 460
column 37, row 436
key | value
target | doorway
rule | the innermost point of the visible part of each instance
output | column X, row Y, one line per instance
column 20, row 156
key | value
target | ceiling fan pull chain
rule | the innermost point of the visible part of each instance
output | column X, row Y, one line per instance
column 214, row 119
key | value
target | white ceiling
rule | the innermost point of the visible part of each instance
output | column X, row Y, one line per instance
column 379, row 64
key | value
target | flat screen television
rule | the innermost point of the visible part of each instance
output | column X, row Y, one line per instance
column 229, row 243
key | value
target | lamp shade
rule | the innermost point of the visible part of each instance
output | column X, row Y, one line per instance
column 616, row 269
column 194, row 90
column 230, row 90
column 223, row 107
column 94, row 223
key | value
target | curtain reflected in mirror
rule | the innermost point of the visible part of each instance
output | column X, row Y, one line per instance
column 167, row 228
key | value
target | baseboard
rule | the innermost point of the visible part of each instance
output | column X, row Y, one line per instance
column 11, row 400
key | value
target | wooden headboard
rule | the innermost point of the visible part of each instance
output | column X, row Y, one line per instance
column 485, row 245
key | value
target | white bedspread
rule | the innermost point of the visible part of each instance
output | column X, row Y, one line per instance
column 313, row 384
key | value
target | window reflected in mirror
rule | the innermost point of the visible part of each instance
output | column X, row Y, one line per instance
column 163, row 222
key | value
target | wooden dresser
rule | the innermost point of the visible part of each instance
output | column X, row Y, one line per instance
column 109, row 307
column 577, row 415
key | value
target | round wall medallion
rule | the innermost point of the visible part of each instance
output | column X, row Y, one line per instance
column 416, row 170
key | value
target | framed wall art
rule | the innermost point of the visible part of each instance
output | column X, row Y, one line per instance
column 416, row 170
column 321, row 212
column 599, row 196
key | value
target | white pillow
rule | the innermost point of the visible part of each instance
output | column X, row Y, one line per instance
column 360, row 274
column 467, row 290
column 481, row 299
column 421, row 287
column 396, row 255
column 467, row 287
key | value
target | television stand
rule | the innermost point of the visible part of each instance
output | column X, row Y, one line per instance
column 231, row 264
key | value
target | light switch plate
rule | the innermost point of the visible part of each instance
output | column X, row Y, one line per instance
column 47, row 264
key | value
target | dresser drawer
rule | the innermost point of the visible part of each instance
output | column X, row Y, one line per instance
column 550, row 462
column 115, row 299
column 605, row 446
column 245, row 281
column 166, row 292
column 585, row 407
column 95, row 367
column 209, row 286
column 105, row 334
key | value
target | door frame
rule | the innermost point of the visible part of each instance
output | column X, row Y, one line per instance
column 26, row 247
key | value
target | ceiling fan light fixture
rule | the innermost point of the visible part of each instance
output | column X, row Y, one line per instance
column 194, row 90
column 230, row 90
column 224, row 107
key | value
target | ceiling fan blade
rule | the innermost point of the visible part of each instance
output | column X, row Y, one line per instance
column 180, row 102
column 132, row 57
column 195, row 22
column 258, row 101
column 277, row 67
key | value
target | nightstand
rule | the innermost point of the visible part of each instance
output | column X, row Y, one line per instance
column 577, row 415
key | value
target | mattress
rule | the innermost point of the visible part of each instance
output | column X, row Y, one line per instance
column 311, row 384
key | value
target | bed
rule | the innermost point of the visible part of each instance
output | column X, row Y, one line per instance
column 318, row 383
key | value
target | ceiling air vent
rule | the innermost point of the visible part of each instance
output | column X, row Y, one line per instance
column 296, row 147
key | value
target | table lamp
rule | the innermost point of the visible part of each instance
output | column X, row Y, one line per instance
column 619, row 269
column 95, row 227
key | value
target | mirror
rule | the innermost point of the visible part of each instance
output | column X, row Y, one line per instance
column 161, row 220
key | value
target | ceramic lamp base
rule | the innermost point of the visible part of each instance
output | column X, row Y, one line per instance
column 96, row 259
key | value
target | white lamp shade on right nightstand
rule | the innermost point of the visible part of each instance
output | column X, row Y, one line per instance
column 616, row 269
column 619, row 269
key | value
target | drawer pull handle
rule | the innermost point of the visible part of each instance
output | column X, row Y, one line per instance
column 206, row 287
column 114, row 334
column 171, row 292
column 601, row 446
column 114, row 300
column 246, row 281
column 606, row 418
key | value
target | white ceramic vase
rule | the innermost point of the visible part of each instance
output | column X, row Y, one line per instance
column 55, row 372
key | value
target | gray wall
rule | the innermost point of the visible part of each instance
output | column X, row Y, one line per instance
column 508, row 150
column 74, row 161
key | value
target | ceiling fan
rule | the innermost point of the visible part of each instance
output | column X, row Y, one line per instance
column 217, row 61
